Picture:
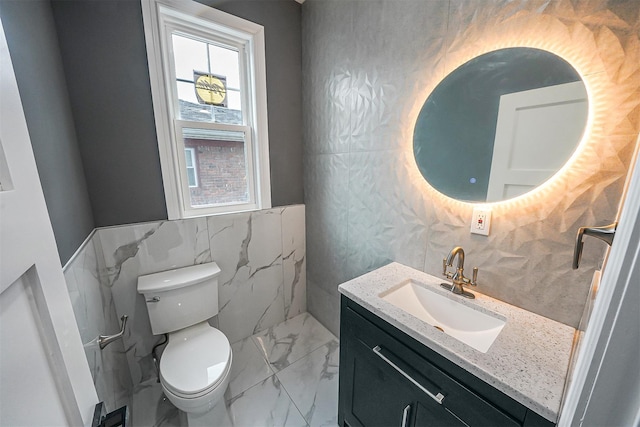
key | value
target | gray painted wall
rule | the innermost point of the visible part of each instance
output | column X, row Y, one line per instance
column 104, row 55
column 33, row 44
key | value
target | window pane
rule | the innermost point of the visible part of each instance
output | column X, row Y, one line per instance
column 189, row 55
column 234, row 102
column 226, row 63
column 190, row 154
column 221, row 165
column 186, row 93
column 191, row 176
column 207, row 81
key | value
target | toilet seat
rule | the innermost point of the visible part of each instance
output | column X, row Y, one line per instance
column 196, row 361
column 181, row 394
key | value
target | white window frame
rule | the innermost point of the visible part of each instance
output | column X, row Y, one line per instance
column 161, row 18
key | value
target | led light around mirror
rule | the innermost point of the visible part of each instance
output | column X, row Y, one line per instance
column 500, row 125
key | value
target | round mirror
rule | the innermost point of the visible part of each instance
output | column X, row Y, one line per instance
column 500, row 125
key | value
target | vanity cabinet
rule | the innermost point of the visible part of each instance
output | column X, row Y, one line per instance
column 389, row 379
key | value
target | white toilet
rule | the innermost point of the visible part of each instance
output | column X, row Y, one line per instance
column 195, row 364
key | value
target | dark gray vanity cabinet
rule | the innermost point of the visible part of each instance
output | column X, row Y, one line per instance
column 389, row 379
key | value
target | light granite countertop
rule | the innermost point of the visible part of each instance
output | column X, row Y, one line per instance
column 528, row 361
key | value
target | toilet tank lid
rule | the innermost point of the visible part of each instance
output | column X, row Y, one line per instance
column 177, row 277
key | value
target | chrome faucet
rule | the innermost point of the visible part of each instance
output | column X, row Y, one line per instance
column 458, row 278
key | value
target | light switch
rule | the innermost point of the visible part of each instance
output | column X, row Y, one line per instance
column 481, row 221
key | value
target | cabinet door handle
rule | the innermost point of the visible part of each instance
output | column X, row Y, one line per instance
column 439, row 397
column 405, row 416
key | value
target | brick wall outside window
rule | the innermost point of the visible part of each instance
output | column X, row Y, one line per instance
column 221, row 169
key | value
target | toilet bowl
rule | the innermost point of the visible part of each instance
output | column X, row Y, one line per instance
column 196, row 363
column 195, row 367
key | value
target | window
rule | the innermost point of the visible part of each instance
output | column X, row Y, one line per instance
column 192, row 174
column 209, row 97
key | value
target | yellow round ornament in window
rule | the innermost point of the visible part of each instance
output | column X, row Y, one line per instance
column 211, row 89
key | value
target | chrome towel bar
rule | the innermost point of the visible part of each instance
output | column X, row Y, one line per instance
column 105, row 340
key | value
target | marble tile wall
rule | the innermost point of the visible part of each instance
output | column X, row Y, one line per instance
column 261, row 255
column 96, row 315
column 367, row 65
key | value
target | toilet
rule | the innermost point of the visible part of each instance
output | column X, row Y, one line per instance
column 195, row 364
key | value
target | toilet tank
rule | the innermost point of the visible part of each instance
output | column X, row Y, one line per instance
column 180, row 297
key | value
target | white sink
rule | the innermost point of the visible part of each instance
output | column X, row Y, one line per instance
column 473, row 327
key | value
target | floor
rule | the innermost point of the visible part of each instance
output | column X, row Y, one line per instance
column 286, row 375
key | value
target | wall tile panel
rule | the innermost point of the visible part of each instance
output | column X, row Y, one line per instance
column 385, row 223
column 294, row 261
column 326, row 194
column 96, row 315
column 248, row 250
column 136, row 250
column 393, row 54
column 326, row 303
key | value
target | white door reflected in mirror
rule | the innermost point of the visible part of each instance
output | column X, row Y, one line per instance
column 535, row 133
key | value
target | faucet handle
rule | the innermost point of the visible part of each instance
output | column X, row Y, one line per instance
column 474, row 278
column 444, row 269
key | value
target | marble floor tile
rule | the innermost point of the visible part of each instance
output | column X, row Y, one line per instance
column 312, row 383
column 287, row 342
column 266, row 404
column 150, row 408
column 248, row 367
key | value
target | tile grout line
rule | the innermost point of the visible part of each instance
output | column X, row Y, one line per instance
column 293, row 402
column 285, row 388
column 226, row 401
column 290, row 365
column 262, row 353
column 259, row 382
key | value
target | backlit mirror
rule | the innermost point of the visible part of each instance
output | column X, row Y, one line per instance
column 500, row 125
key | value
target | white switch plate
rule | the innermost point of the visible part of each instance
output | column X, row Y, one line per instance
column 481, row 221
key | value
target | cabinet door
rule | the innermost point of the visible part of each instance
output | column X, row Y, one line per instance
column 372, row 396
column 379, row 395
column 380, row 373
column 428, row 416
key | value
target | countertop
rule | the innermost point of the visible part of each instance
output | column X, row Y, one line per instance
column 528, row 361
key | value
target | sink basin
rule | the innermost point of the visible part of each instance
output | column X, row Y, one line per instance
column 473, row 327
